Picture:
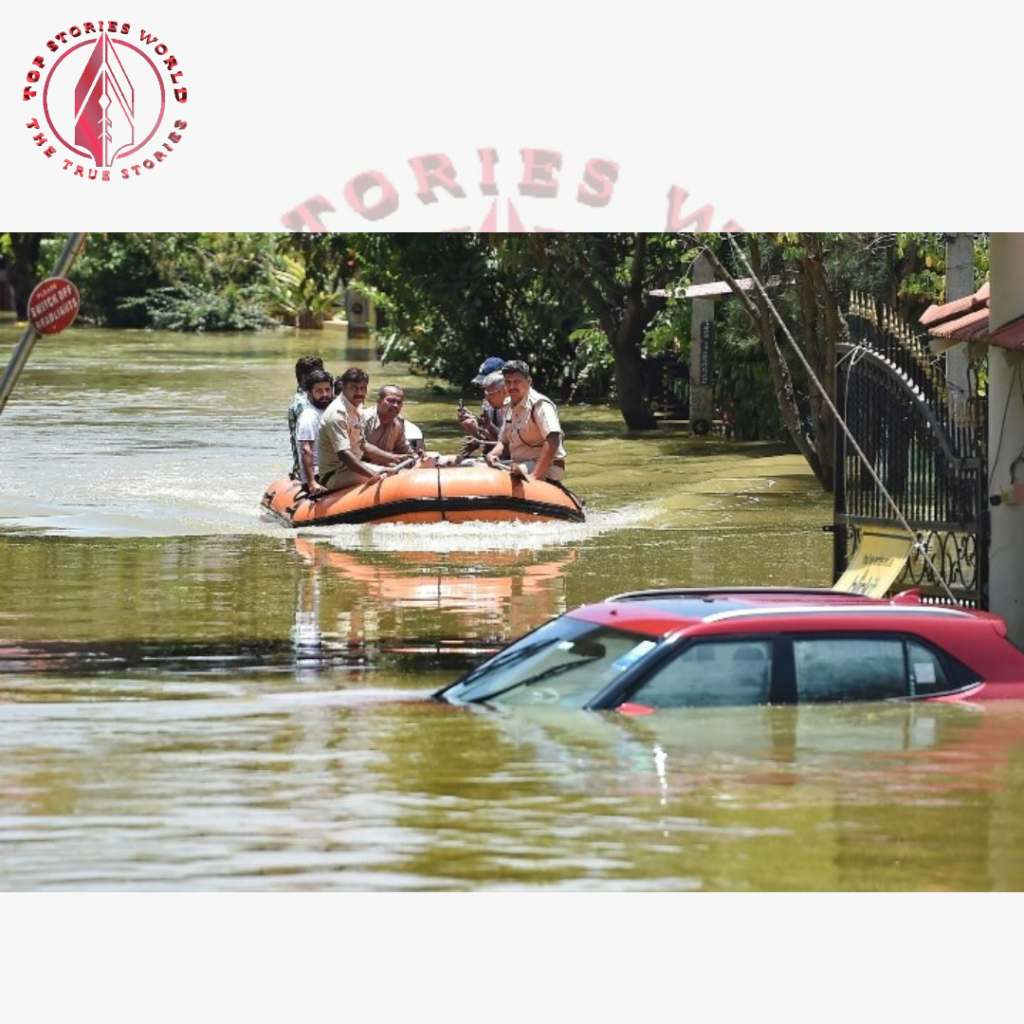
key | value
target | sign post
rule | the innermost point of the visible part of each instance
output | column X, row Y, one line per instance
column 702, row 335
column 878, row 561
column 52, row 306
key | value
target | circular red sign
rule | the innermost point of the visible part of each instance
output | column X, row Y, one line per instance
column 53, row 305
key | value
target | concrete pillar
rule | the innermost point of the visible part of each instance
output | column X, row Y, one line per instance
column 1006, row 437
column 959, row 284
column 702, row 334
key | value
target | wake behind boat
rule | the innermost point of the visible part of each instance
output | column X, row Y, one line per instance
column 472, row 492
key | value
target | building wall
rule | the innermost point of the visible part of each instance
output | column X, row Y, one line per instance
column 1006, row 438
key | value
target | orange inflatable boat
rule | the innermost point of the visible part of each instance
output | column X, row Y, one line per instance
column 456, row 494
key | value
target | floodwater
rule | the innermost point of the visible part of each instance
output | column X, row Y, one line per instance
column 194, row 699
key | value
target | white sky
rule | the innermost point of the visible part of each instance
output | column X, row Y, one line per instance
column 776, row 116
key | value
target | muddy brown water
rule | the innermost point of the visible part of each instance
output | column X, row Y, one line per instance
column 192, row 698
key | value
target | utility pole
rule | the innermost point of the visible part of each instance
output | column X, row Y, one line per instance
column 959, row 285
column 1006, row 437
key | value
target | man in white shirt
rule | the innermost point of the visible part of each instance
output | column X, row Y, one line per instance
column 305, row 364
column 320, row 394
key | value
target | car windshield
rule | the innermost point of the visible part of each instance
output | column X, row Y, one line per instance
column 565, row 662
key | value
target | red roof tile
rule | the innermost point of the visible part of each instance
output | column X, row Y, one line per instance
column 1010, row 335
column 967, row 320
column 935, row 315
column 972, row 325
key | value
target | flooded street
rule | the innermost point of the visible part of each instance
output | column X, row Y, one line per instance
column 193, row 698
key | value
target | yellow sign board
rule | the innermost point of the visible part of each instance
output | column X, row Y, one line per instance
column 878, row 561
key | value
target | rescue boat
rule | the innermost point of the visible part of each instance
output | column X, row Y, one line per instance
column 455, row 493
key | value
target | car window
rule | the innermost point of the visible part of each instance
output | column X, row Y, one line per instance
column 568, row 663
column 830, row 668
column 851, row 668
column 711, row 673
column 927, row 673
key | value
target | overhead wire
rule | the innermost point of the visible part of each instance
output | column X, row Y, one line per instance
column 917, row 543
column 1002, row 423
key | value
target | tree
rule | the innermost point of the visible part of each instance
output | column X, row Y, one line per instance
column 24, row 252
column 173, row 281
column 615, row 275
column 818, row 271
column 812, row 286
column 311, row 274
column 450, row 301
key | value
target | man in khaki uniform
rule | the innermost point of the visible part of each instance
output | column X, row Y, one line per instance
column 531, row 429
column 340, row 442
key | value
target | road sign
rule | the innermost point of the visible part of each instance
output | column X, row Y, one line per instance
column 53, row 305
column 879, row 559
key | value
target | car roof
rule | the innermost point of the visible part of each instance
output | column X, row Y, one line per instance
column 657, row 612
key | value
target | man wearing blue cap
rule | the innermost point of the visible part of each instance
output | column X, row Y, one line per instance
column 492, row 364
column 483, row 428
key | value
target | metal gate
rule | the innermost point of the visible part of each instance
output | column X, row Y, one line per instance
column 926, row 445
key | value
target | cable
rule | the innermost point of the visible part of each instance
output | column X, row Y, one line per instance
column 842, row 423
column 1002, row 425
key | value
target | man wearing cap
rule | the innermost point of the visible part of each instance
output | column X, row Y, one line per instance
column 492, row 364
column 483, row 429
column 531, row 429
column 340, row 441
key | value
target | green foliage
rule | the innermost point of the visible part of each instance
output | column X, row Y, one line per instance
column 981, row 259
column 615, row 276
column 191, row 307
column 450, row 302
column 922, row 274
column 111, row 270
column 21, row 256
column 293, row 292
column 154, row 280
column 592, row 366
column 309, row 275
column 744, row 391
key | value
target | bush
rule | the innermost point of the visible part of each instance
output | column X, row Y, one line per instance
column 189, row 307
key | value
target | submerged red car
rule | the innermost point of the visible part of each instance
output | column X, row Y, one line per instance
column 653, row 649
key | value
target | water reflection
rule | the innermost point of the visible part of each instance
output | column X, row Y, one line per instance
column 460, row 601
column 844, row 797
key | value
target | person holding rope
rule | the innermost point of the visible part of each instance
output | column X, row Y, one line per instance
column 484, row 428
column 531, row 429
